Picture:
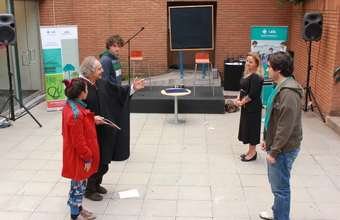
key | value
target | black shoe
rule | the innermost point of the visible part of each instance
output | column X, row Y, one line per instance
column 101, row 190
column 243, row 155
column 93, row 196
column 251, row 159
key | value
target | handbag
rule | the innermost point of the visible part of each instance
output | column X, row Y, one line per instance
column 230, row 106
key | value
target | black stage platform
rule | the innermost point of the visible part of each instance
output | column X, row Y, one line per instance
column 152, row 101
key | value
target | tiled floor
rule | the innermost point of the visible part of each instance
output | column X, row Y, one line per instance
column 188, row 171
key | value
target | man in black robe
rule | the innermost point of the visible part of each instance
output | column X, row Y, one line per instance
column 112, row 102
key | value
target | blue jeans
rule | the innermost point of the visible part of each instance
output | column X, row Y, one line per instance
column 279, row 179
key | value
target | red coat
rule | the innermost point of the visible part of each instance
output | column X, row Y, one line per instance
column 79, row 143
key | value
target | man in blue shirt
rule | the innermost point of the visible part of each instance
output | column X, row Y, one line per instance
column 110, row 60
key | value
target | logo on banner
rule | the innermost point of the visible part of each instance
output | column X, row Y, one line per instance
column 66, row 33
column 269, row 32
column 51, row 33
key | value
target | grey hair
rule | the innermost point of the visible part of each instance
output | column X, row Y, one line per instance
column 88, row 66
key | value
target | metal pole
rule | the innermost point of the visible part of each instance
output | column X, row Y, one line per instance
column 309, row 67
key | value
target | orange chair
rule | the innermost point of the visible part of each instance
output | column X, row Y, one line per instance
column 203, row 58
column 135, row 57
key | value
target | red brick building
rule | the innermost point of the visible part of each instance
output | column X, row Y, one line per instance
column 99, row 19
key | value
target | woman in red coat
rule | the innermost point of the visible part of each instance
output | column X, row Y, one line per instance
column 80, row 146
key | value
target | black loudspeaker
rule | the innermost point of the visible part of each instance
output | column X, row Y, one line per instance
column 312, row 26
column 291, row 53
column 7, row 29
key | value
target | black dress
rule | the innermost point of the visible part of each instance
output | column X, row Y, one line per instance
column 250, row 120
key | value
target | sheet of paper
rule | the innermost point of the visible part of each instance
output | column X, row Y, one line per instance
column 128, row 193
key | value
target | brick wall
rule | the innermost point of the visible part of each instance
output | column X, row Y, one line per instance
column 324, row 54
column 99, row 19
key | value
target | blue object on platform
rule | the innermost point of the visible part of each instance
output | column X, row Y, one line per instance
column 203, row 69
column 175, row 90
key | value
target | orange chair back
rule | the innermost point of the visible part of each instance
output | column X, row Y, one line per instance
column 202, row 58
column 136, row 55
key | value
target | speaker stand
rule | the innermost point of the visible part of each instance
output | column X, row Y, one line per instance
column 309, row 96
column 11, row 97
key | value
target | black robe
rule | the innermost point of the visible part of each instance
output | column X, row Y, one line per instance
column 112, row 102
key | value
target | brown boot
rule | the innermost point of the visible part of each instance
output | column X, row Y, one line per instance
column 99, row 188
column 90, row 191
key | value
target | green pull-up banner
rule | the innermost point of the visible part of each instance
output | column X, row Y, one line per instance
column 61, row 61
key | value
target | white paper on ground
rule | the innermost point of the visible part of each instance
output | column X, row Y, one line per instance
column 128, row 193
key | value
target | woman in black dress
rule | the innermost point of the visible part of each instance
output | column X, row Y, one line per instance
column 251, row 105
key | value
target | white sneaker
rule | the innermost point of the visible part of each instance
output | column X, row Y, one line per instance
column 267, row 215
column 87, row 215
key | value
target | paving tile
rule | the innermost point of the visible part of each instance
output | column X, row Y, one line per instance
column 161, row 208
column 22, row 203
column 198, row 193
column 162, row 192
column 186, row 208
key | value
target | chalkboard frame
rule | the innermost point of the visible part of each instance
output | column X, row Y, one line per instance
column 191, row 27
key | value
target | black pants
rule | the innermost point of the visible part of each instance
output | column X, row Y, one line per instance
column 102, row 169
